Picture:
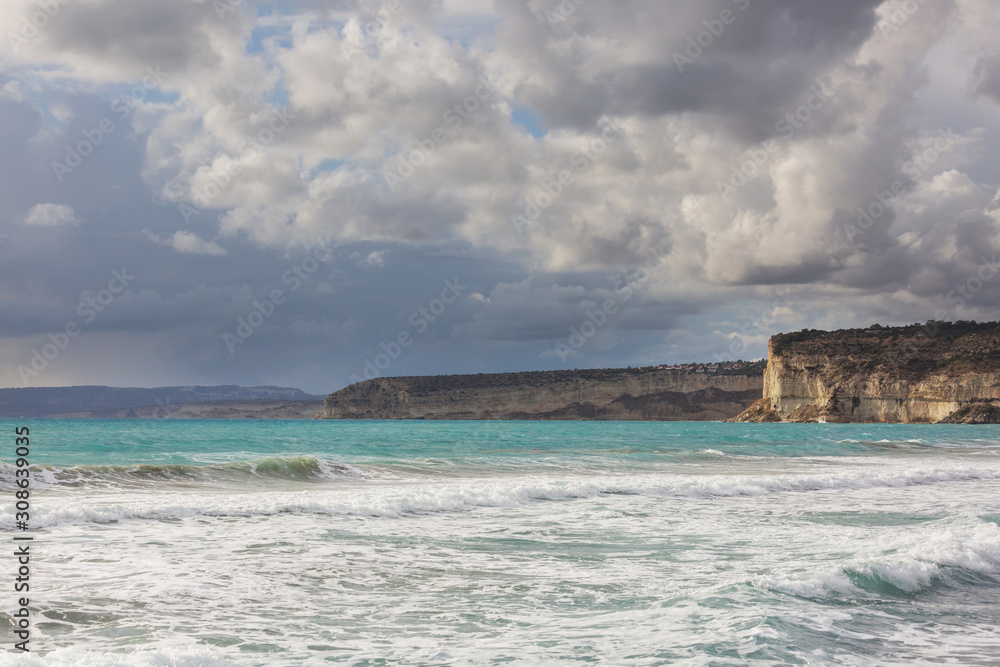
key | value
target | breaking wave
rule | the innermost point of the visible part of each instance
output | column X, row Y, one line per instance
column 957, row 556
column 298, row 468
column 424, row 496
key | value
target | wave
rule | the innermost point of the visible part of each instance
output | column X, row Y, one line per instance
column 298, row 468
column 380, row 499
column 960, row 556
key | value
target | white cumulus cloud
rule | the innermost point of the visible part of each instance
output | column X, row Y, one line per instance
column 188, row 242
column 50, row 215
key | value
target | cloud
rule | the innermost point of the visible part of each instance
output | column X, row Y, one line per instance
column 50, row 215
column 188, row 242
column 986, row 76
column 747, row 171
column 372, row 259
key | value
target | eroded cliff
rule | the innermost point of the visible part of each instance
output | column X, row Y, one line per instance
column 935, row 372
column 613, row 394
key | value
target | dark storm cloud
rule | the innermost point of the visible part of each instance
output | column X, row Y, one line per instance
column 134, row 34
column 764, row 59
column 986, row 75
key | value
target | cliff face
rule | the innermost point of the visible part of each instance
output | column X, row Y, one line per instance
column 632, row 394
column 921, row 373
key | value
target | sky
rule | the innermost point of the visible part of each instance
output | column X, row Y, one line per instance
column 307, row 193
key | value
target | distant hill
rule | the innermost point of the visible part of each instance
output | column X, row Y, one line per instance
column 41, row 402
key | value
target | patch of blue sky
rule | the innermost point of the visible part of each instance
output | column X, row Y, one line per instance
column 139, row 92
column 469, row 30
column 278, row 96
column 279, row 8
column 327, row 165
column 56, row 112
column 530, row 121
column 265, row 37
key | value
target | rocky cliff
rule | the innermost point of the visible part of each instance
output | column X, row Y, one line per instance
column 935, row 372
column 618, row 394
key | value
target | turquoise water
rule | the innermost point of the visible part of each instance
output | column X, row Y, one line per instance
column 311, row 542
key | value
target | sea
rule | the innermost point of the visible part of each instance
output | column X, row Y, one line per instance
column 190, row 543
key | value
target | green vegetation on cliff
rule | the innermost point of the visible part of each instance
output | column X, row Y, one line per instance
column 934, row 337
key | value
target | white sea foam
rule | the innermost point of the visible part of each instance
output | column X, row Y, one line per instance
column 452, row 557
column 73, row 657
column 910, row 562
column 373, row 499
